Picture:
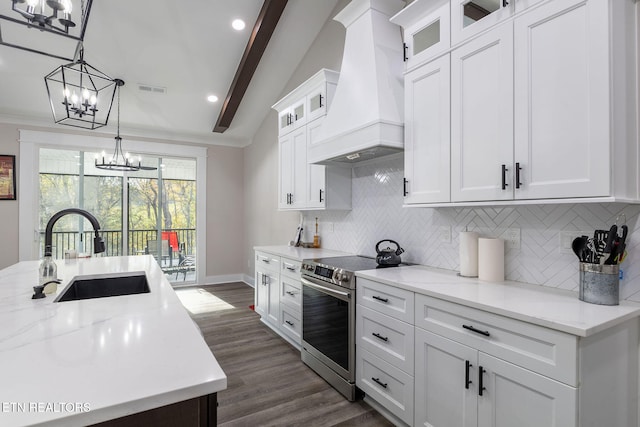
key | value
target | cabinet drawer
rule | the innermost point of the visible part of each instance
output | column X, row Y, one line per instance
column 394, row 302
column 290, row 323
column 291, row 293
column 388, row 338
column 290, row 267
column 386, row 384
column 542, row 350
column 265, row 261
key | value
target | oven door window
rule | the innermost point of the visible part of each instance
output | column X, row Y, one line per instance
column 325, row 324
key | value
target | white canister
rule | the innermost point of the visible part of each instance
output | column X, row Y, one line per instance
column 469, row 254
column 491, row 259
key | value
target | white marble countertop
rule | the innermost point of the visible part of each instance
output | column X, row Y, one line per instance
column 299, row 253
column 113, row 356
column 553, row 308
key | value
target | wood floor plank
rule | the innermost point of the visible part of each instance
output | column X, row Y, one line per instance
column 267, row 383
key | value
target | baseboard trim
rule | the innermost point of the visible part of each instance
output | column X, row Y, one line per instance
column 224, row 278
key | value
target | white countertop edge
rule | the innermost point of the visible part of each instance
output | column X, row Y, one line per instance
column 299, row 253
column 624, row 311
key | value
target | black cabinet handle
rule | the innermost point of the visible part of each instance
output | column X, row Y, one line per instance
column 404, row 187
column 504, row 177
column 467, row 381
column 376, row 297
column 291, row 293
column 288, row 323
column 380, row 383
column 321, row 101
column 291, row 198
column 404, row 52
column 265, row 260
column 518, row 169
column 481, row 387
column 477, row 331
column 377, row 335
column 320, row 198
column 505, row 3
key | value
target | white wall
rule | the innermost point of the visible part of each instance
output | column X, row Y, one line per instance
column 263, row 223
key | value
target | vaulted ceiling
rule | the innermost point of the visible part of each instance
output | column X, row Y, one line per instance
column 188, row 48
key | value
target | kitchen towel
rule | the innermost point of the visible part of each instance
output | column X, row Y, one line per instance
column 491, row 259
column 469, row 254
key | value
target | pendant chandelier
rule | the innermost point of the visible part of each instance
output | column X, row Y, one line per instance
column 80, row 95
column 120, row 161
column 48, row 16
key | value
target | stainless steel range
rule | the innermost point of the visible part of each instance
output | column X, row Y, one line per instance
column 328, row 318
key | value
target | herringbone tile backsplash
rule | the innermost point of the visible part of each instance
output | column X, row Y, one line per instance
column 377, row 214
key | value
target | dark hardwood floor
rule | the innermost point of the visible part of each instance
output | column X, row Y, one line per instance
column 268, row 385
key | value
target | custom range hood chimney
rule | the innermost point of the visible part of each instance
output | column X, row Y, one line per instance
column 365, row 118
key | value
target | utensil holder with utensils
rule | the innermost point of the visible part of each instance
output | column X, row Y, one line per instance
column 600, row 259
column 599, row 283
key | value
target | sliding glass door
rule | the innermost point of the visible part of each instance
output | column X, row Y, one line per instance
column 145, row 212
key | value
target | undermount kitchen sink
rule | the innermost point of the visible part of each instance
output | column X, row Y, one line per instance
column 101, row 286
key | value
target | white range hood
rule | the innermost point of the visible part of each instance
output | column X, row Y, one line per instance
column 365, row 118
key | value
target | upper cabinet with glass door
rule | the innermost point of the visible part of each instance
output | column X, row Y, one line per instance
column 292, row 117
column 470, row 17
column 426, row 30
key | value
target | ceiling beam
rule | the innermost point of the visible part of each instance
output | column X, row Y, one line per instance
column 262, row 30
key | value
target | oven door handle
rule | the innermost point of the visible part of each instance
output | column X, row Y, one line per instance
column 324, row 289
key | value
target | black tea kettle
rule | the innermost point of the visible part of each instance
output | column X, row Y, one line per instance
column 388, row 257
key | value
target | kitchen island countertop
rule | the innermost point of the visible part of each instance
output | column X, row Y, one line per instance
column 82, row 362
column 553, row 308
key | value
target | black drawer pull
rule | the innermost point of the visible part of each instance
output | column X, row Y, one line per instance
column 291, row 268
column 265, row 260
column 380, row 383
column 467, row 381
column 376, row 297
column 481, row 372
column 288, row 323
column 504, row 177
column 477, row 331
column 377, row 335
column 291, row 293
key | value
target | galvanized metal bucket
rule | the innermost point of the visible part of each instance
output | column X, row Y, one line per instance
column 599, row 284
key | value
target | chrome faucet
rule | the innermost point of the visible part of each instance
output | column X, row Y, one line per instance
column 48, row 273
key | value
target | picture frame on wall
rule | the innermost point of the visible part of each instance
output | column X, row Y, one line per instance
column 7, row 177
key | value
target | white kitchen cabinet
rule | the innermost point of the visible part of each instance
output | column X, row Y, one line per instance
column 482, row 117
column 267, row 294
column 469, row 18
column 301, row 185
column 292, row 117
column 540, row 105
column 385, row 346
column 328, row 187
column 426, row 29
column 427, row 133
column 293, row 169
column 562, row 100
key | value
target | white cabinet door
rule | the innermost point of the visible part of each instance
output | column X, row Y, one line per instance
column 262, row 293
column 273, row 298
column 482, row 117
column 445, row 382
column 470, row 17
column 316, row 180
column 562, row 100
column 514, row 396
column 427, row 133
column 285, row 169
column 292, row 191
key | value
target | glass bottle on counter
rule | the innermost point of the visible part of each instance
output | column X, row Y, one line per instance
column 48, row 270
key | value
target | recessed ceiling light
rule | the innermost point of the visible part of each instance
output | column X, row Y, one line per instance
column 238, row 24
column 212, row 98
